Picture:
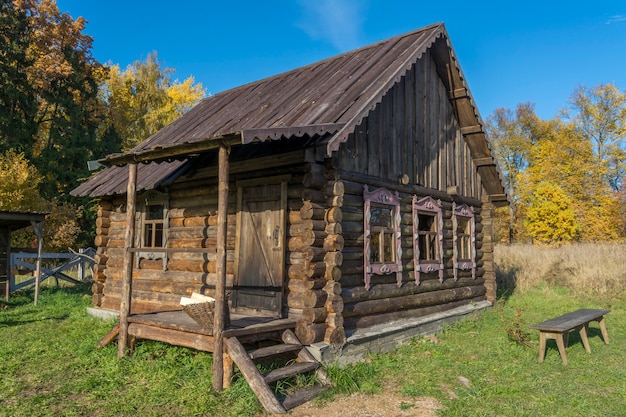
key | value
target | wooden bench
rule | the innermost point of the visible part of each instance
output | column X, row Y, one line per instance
column 558, row 329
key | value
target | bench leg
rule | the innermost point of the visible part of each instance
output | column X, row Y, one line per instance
column 560, row 343
column 605, row 334
column 583, row 336
column 542, row 346
column 561, row 340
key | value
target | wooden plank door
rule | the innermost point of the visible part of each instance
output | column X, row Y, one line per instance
column 259, row 251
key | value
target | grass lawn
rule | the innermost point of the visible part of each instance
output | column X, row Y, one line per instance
column 484, row 366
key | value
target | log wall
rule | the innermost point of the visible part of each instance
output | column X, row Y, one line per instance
column 385, row 301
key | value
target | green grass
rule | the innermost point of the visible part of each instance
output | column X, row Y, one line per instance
column 486, row 365
column 505, row 378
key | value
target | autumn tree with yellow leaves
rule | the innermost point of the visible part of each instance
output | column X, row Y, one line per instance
column 60, row 107
column 581, row 157
column 143, row 98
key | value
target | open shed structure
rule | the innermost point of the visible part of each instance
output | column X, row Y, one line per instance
column 11, row 221
column 349, row 194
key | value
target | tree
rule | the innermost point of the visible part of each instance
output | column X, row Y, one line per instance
column 511, row 136
column 599, row 113
column 19, row 183
column 551, row 218
column 65, row 79
column 17, row 101
column 19, row 190
column 565, row 158
column 142, row 99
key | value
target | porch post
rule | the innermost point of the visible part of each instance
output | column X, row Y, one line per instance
column 127, row 271
column 38, row 228
column 220, row 284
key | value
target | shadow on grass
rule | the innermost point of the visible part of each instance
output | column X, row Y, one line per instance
column 26, row 296
column 506, row 281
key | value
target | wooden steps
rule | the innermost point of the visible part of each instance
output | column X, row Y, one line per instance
column 304, row 363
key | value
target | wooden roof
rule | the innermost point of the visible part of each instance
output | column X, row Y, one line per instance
column 326, row 100
column 16, row 220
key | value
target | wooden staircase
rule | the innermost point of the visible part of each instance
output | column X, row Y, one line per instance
column 304, row 362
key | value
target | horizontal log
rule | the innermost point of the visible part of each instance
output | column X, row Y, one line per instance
column 331, row 287
column 197, row 266
column 104, row 205
column 412, row 301
column 309, row 333
column 311, row 210
column 312, row 225
column 333, row 215
column 333, row 228
column 333, row 259
column 96, row 300
column 204, row 190
column 333, row 243
column 313, row 315
column 101, row 240
column 391, row 290
column 335, row 336
column 334, row 304
column 317, row 196
column 306, row 299
column 334, row 188
column 301, row 285
column 314, row 179
column 332, row 273
column 207, row 242
column 362, row 322
column 103, row 222
column 306, row 271
column 97, row 287
column 334, row 320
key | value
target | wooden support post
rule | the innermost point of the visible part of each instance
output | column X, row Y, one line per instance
column 38, row 227
column 127, row 272
column 220, row 285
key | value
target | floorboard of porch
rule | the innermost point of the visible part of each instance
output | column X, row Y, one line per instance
column 177, row 328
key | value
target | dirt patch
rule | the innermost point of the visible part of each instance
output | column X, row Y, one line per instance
column 370, row 405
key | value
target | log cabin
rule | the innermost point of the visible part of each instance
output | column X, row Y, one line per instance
column 350, row 194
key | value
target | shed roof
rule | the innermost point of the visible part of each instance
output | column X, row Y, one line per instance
column 16, row 220
column 326, row 100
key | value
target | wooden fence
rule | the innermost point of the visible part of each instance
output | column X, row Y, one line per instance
column 24, row 263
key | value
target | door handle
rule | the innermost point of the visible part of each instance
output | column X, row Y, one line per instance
column 276, row 236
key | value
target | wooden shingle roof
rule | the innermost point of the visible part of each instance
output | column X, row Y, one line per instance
column 326, row 99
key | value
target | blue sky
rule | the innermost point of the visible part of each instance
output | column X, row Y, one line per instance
column 510, row 52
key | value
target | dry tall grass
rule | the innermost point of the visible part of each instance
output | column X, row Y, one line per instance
column 593, row 270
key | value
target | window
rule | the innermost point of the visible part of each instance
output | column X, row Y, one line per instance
column 427, row 237
column 152, row 226
column 382, row 252
column 464, row 239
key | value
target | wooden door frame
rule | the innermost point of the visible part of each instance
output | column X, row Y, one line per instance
column 283, row 180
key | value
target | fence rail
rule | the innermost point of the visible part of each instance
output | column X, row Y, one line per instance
column 82, row 260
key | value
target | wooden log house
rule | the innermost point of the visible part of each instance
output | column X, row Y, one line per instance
column 349, row 193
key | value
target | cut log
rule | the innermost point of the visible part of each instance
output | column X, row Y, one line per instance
column 335, row 336
column 309, row 333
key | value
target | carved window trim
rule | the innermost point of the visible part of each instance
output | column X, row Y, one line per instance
column 468, row 238
column 146, row 200
column 382, row 197
column 431, row 207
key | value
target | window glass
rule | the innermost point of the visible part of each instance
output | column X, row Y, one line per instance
column 153, row 226
column 463, row 239
column 428, row 242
